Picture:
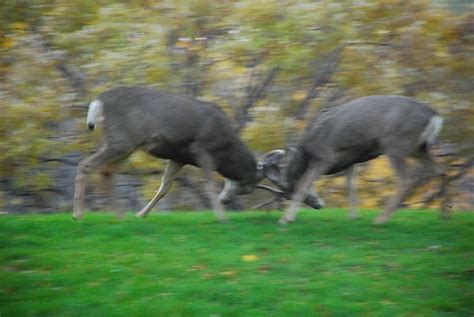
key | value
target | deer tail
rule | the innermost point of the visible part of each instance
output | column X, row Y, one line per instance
column 94, row 114
column 432, row 130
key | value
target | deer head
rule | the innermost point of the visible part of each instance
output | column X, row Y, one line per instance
column 278, row 165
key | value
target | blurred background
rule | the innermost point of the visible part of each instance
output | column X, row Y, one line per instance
column 271, row 65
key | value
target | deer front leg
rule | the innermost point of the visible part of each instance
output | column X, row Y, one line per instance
column 351, row 191
column 79, row 192
column 301, row 191
column 206, row 163
column 171, row 170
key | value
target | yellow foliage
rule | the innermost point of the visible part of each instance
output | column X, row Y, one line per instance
column 19, row 26
column 374, row 181
column 265, row 135
column 250, row 258
column 8, row 42
column 299, row 95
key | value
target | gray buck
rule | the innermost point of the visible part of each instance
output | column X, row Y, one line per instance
column 168, row 126
column 361, row 130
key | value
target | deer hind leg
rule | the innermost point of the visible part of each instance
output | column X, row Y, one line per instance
column 105, row 155
column 171, row 170
column 109, row 173
column 404, row 186
column 301, row 191
column 351, row 191
column 437, row 170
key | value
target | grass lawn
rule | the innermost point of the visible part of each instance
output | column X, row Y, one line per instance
column 188, row 264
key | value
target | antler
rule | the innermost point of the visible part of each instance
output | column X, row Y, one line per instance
column 271, row 189
column 278, row 199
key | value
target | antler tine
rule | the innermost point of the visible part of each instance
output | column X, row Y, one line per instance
column 271, row 189
column 265, row 203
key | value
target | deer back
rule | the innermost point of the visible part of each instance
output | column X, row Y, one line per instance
column 166, row 125
column 361, row 130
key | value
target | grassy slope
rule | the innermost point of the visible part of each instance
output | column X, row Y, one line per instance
column 187, row 264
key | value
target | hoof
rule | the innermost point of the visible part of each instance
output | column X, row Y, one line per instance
column 380, row 220
column 285, row 221
column 139, row 215
column 76, row 217
column 314, row 202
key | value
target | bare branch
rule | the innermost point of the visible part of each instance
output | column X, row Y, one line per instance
column 354, row 43
column 58, row 159
column 253, row 95
column 76, row 78
column 265, row 203
column 321, row 77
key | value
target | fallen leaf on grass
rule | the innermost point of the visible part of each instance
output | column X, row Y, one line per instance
column 433, row 248
column 227, row 273
column 197, row 268
column 249, row 258
column 265, row 269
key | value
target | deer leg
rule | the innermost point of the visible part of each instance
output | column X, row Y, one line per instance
column 206, row 163
column 404, row 185
column 108, row 181
column 313, row 199
column 171, row 170
column 351, row 191
column 437, row 170
column 106, row 154
column 301, row 191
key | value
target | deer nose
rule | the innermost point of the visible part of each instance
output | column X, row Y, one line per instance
column 91, row 126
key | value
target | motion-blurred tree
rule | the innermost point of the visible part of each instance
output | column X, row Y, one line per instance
column 271, row 64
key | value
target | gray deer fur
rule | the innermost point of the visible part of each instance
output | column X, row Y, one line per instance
column 168, row 126
column 358, row 131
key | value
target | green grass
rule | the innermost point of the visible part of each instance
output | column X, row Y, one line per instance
column 188, row 264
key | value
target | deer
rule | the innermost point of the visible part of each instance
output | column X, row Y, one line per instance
column 340, row 137
column 180, row 129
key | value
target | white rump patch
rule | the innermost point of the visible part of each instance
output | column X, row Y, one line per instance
column 432, row 130
column 94, row 115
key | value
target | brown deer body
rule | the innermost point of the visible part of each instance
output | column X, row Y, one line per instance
column 363, row 129
column 168, row 126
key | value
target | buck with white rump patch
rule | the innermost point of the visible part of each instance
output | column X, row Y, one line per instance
column 361, row 130
column 168, row 126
